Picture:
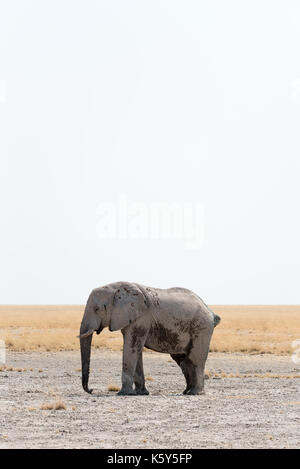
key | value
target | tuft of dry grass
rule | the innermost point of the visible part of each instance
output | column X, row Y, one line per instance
column 113, row 387
column 11, row 368
column 248, row 329
column 57, row 405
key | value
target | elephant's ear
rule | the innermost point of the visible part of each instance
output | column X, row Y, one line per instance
column 129, row 302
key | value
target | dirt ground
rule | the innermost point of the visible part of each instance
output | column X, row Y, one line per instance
column 235, row 412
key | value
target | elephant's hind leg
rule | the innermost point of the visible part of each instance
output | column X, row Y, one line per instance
column 187, row 368
column 139, row 378
column 197, row 356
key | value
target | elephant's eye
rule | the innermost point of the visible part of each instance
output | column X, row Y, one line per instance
column 104, row 307
column 96, row 309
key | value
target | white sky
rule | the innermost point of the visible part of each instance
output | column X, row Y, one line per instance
column 162, row 101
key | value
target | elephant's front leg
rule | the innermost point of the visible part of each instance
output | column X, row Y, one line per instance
column 132, row 349
column 139, row 378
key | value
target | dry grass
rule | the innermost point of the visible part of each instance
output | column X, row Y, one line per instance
column 57, row 405
column 48, row 328
column 113, row 387
column 149, row 378
column 223, row 374
column 11, row 368
column 249, row 329
column 256, row 329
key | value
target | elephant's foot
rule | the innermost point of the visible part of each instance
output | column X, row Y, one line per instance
column 142, row 392
column 194, row 392
column 127, row 392
column 186, row 390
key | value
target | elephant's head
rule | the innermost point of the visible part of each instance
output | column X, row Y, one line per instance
column 115, row 306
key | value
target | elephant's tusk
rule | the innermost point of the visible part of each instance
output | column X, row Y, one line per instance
column 85, row 334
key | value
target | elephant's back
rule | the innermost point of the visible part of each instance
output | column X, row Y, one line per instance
column 186, row 296
column 183, row 304
column 178, row 302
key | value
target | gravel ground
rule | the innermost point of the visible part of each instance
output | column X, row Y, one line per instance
column 244, row 412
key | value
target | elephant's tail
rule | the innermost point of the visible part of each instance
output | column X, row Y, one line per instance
column 217, row 319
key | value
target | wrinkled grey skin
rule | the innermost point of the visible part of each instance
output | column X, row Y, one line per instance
column 174, row 321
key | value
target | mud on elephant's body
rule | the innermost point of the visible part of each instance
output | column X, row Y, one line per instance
column 174, row 321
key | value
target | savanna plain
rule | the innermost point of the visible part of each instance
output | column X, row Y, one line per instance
column 251, row 395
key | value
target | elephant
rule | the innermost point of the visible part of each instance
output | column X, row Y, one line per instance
column 173, row 320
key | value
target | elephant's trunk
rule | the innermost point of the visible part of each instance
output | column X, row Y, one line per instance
column 85, row 349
